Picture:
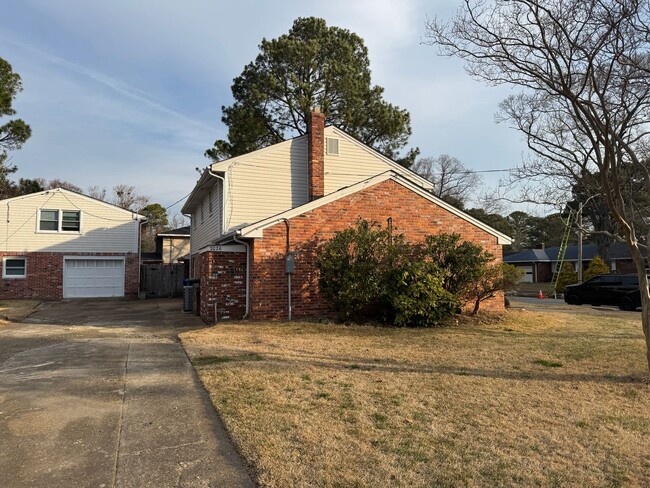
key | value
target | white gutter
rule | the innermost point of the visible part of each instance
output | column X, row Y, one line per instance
column 248, row 272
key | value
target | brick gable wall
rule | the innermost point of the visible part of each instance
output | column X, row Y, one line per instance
column 413, row 216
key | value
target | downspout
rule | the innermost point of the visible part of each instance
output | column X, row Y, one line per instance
column 221, row 232
column 289, row 306
column 248, row 272
column 223, row 200
column 189, row 216
column 140, row 224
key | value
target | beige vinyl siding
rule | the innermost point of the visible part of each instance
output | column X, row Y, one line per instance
column 267, row 183
column 174, row 248
column 205, row 230
column 352, row 165
column 104, row 228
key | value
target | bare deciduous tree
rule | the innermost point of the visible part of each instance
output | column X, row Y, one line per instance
column 584, row 70
column 96, row 192
column 452, row 181
column 126, row 196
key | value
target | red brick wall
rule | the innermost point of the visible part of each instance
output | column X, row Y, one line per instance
column 412, row 215
column 316, row 155
column 223, row 280
column 44, row 279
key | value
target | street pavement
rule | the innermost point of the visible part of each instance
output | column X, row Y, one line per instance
column 558, row 305
column 100, row 393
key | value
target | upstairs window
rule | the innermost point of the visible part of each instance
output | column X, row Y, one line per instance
column 70, row 221
column 332, row 146
column 49, row 220
column 14, row 267
column 210, row 202
column 59, row 221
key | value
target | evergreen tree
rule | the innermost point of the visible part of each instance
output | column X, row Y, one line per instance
column 312, row 66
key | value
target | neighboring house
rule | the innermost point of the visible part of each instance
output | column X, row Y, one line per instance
column 539, row 264
column 172, row 246
column 162, row 272
column 61, row 244
column 252, row 211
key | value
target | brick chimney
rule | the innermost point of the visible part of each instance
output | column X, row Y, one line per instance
column 316, row 154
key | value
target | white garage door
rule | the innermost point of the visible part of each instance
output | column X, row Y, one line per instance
column 93, row 277
column 528, row 277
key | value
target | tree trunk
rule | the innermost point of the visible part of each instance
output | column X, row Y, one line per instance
column 637, row 257
column 477, row 304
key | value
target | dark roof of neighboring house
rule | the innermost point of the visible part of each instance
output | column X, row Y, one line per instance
column 180, row 232
column 589, row 252
column 526, row 256
column 617, row 250
column 151, row 256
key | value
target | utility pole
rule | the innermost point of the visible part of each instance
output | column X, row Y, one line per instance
column 579, row 219
column 580, row 244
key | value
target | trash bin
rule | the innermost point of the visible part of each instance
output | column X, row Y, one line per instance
column 188, row 293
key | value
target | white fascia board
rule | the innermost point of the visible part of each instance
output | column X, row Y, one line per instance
column 255, row 230
column 134, row 215
column 398, row 168
column 502, row 239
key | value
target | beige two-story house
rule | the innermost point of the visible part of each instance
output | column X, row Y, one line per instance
column 257, row 220
column 59, row 244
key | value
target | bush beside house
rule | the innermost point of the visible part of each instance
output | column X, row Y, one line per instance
column 366, row 273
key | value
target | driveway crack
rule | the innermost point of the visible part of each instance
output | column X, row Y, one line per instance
column 120, row 422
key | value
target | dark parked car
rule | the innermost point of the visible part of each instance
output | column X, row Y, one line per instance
column 621, row 290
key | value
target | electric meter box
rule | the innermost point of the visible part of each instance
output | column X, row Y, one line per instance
column 290, row 262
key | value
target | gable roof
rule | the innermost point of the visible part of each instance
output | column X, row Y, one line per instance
column 616, row 250
column 222, row 166
column 180, row 232
column 134, row 215
column 526, row 256
column 255, row 230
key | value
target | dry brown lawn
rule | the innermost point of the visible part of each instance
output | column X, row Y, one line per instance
column 533, row 399
column 15, row 310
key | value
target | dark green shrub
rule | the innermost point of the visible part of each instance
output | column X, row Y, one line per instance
column 419, row 297
column 356, row 267
column 596, row 267
column 567, row 276
column 463, row 262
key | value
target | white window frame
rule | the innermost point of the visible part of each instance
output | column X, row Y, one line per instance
column 13, row 277
column 60, row 221
column 210, row 202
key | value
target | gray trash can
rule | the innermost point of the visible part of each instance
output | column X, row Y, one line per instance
column 188, row 292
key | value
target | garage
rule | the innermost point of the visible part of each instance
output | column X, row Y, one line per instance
column 528, row 276
column 86, row 277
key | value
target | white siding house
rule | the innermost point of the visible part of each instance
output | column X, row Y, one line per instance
column 61, row 244
column 269, row 181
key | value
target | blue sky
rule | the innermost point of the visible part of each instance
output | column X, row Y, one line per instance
column 131, row 91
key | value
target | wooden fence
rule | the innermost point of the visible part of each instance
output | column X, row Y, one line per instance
column 162, row 280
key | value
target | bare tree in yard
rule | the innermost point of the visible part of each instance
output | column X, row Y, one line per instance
column 584, row 70
column 452, row 181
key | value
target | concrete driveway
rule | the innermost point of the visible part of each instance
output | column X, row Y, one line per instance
column 100, row 393
column 558, row 305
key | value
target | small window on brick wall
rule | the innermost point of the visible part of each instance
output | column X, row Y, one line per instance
column 14, row 267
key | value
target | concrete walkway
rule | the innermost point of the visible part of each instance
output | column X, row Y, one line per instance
column 101, row 394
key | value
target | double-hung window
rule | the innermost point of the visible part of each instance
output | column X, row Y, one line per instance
column 14, row 267
column 70, row 221
column 59, row 220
